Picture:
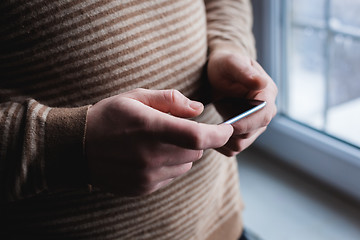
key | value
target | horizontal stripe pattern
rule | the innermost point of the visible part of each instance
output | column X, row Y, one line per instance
column 113, row 65
column 236, row 23
column 27, row 175
column 164, row 215
column 71, row 53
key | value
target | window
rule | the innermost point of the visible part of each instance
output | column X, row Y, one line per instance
column 311, row 48
column 322, row 66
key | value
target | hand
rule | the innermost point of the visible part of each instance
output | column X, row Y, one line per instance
column 135, row 147
column 233, row 74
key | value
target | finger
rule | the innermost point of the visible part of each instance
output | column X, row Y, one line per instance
column 193, row 135
column 170, row 155
column 162, row 176
column 237, row 145
column 226, row 151
column 251, row 123
column 143, row 181
column 168, row 101
column 170, row 172
column 271, row 88
column 179, row 131
column 177, row 155
column 162, row 184
column 246, row 135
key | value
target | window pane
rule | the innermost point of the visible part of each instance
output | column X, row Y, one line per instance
column 322, row 65
column 344, row 89
column 346, row 12
column 309, row 11
column 306, row 76
column 344, row 69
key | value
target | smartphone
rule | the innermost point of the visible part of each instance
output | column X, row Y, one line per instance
column 234, row 109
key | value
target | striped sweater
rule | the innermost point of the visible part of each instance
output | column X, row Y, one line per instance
column 59, row 57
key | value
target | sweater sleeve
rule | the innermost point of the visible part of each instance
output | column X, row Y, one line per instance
column 230, row 22
column 41, row 148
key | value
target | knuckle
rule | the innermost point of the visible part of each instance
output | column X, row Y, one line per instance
column 182, row 169
column 172, row 95
column 267, row 119
column 175, row 94
column 245, row 135
column 229, row 63
column 137, row 90
column 199, row 154
column 242, row 129
column 230, row 59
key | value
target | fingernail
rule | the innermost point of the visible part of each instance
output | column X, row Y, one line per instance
column 195, row 105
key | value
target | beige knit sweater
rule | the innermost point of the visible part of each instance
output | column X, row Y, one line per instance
column 59, row 57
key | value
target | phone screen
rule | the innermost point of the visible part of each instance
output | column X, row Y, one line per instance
column 234, row 109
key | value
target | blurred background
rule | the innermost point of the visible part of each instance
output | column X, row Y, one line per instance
column 301, row 179
column 323, row 61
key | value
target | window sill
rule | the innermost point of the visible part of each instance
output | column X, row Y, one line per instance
column 282, row 203
column 327, row 159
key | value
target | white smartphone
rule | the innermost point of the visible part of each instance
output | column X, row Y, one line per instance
column 242, row 107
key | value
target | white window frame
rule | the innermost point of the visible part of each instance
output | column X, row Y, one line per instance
column 328, row 159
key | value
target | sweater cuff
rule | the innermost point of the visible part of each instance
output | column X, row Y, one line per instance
column 65, row 163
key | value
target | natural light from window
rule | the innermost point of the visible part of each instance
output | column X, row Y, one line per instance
column 322, row 38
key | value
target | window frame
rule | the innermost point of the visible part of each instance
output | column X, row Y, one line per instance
column 326, row 158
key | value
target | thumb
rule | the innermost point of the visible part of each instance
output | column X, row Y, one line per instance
column 168, row 101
